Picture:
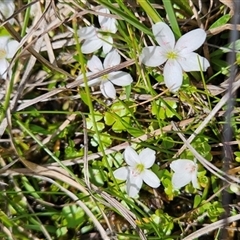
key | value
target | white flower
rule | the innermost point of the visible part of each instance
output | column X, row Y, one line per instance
column 35, row 10
column 118, row 78
column 137, row 171
column 7, row 8
column 96, row 38
column 185, row 171
column 7, row 50
column 180, row 56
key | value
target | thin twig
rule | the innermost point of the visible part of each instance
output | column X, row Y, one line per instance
column 211, row 227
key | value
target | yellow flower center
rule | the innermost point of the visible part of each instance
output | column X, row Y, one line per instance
column 172, row 55
column 3, row 53
column 139, row 169
column 104, row 78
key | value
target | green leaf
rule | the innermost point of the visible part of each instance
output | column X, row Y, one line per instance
column 109, row 118
column 166, row 222
column 74, row 216
column 128, row 90
column 221, row 21
column 71, row 152
column 220, row 65
column 97, row 116
column 172, row 17
column 184, row 6
column 150, row 10
column 165, row 109
column 119, row 109
column 225, row 49
column 4, row 32
column 105, row 138
column 197, row 201
column 121, row 125
column 37, row 129
column 235, row 188
column 5, row 219
column 83, row 96
column 167, row 142
column 214, row 183
column 119, row 117
column 117, row 159
column 215, row 211
column 237, row 154
column 61, row 231
column 135, row 132
column 202, row 146
column 168, row 189
column 96, row 175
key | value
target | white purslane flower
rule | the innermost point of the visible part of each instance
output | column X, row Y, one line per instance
column 35, row 12
column 8, row 48
column 179, row 57
column 107, row 81
column 185, row 171
column 7, row 8
column 95, row 38
column 138, row 170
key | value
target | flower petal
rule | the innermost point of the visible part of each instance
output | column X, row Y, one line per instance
column 110, row 26
column 181, row 164
column 95, row 64
column 150, row 179
column 153, row 56
column 120, row 78
column 107, row 24
column 185, row 171
column 147, row 157
column 87, row 32
column 164, row 35
column 122, row 173
column 194, row 180
column 191, row 41
column 193, row 62
column 7, row 8
column 172, row 73
column 12, row 47
column 92, row 82
column 4, row 64
column 3, row 41
column 130, row 156
column 112, row 59
column 107, row 44
column 133, row 185
column 103, row 19
column 34, row 9
column 91, row 45
column 108, row 90
column 180, row 180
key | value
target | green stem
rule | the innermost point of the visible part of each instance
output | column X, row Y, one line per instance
column 26, row 20
column 89, row 100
